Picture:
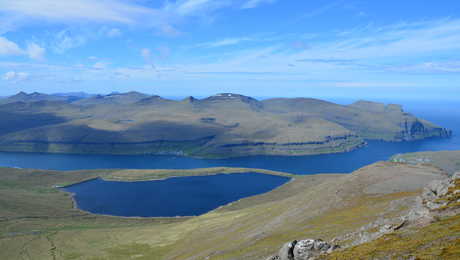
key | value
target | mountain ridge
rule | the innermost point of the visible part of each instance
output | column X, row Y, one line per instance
column 236, row 125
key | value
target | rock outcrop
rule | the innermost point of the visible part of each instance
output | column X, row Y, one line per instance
column 307, row 249
column 439, row 198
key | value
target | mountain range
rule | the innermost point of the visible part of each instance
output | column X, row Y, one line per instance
column 222, row 125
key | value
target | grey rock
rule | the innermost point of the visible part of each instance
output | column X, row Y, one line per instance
column 456, row 176
column 430, row 200
column 307, row 249
column 287, row 251
column 436, row 188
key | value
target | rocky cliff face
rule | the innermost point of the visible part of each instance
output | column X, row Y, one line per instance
column 415, row 130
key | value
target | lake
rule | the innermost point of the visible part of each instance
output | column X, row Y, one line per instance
column 446, row 115
column 178, row 196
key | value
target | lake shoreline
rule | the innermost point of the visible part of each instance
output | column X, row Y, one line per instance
column 75, row 203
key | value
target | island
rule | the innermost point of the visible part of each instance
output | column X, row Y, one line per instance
column 219, row 126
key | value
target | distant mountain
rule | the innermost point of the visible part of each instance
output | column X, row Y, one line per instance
column 32, row 97
column 79, row 95
column 222, row 125
column 113, row 98
column 36, row 96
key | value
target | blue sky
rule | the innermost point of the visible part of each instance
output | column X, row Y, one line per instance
column 353, row 48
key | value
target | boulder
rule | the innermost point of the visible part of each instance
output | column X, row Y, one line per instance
column 307, row 249
column 286, row 252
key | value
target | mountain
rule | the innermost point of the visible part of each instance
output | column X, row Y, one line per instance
column 222, row 125
column 36, row 97
column 113, row 98
column 75, row 95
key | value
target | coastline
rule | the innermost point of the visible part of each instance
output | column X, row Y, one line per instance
column 217, row 156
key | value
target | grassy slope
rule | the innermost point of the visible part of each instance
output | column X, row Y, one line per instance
column 129, row 123
column 39, row 221
column 438, row 240
column 35, row 216
column 446, row 160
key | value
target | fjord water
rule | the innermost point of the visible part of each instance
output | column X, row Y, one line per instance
column 184, row 196
column 442, row 113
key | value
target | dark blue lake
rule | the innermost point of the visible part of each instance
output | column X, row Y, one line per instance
column 441, row 113
column 178, row 196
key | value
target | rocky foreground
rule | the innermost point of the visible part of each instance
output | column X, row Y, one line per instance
column 440, row 199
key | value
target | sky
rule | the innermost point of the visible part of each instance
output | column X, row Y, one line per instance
column 265, row 48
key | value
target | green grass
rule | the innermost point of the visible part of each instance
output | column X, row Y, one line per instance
column 38, row 221
column 439, row 240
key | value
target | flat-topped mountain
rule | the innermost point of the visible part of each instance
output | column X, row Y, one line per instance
column 222, row 125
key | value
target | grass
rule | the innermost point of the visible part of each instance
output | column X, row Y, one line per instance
column 439, row 240
column 38, row 221
column 449, row 161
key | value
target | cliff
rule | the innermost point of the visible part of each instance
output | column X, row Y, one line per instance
column 218, row 126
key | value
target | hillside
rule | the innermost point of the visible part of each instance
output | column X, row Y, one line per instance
column 223, row 125
column 38, row 220
column 449, row 161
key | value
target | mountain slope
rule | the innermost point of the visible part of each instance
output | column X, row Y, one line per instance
column 37, row 218
column 223, row 125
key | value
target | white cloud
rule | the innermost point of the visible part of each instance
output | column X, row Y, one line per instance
column 165, row 18
column 224, row 42
column 14, row 76
column 8, row 47
column 428, row 67
column 114, row 32
column 395, row 41
column 35, row 51
column 256, row 3
column 100, row 65
column 105, row 10
column 168, row 30
column 23, row 13
column 371, row 52
column 65, row 40
column 192, row 7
